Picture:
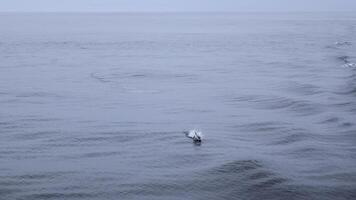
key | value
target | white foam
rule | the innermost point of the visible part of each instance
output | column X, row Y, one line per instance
column 350, row 65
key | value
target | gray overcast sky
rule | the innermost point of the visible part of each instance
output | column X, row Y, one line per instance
column 177, row 5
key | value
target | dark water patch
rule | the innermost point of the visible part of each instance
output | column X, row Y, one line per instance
column 246, row 179
column 3, row 124
column 324, row 192
column 346, row 125
column 330, row 120
column 6, row 193
column 237, row 167
column 260, row 175
column 338, row 122
column 158, row 190
column 269, row 183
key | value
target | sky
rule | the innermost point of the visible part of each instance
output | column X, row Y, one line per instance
column 175, row 5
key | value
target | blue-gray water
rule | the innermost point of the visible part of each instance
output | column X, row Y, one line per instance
column 94, row 106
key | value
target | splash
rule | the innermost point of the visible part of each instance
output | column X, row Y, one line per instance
column 195, row 135
column 347, row 62
column 350, row 65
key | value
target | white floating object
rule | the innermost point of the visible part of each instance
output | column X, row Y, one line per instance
column 195, row 135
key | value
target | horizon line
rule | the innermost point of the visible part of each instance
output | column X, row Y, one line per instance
column 163, row 12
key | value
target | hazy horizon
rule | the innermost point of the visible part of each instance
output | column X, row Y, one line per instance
column 176, row 6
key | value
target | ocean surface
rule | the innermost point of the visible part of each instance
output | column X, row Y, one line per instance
column 95, row 105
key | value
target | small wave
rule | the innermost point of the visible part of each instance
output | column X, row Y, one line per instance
column 344, row 43
column 45, row 176
column 350, row 65
column 240, row 166
column 93, row 155
column 99, row 78
column 230, row 180
column 303, row 89
column 347, row 91
column 300, row 107
column 346, row 124
column 346, row 61
column 291, row 138
column 37, row 94
column 276, row 133
column 347, row 177
column 36, row 135
column 56, row 195
column 338, row 45
column 247, row 177
column 263, row 127
column 117, row 76
column 330, row 120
